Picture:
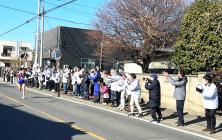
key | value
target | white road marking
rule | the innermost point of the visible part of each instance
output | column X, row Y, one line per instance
column 147, row 121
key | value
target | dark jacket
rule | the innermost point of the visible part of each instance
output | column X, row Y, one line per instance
column 86, row 83
column 154, row 92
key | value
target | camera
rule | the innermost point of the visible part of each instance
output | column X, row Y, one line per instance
column 145, row 79
column 199, row 88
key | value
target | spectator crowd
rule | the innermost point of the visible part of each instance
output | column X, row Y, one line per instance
column 116, row 88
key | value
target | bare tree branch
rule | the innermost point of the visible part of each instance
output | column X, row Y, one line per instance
column 140, row 26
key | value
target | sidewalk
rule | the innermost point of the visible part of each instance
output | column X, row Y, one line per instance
column 194, row 124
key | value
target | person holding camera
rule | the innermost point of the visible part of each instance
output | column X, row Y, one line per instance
column 179, row 93
column 153, row 85
column 210, row 101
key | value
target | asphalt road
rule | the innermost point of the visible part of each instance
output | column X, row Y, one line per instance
column 41, row 117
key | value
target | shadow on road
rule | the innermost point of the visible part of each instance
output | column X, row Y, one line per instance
column 16, row 124
column 39, row 97
column 173, row 116
column 7, row 85
column 219, row 128
column 197, row 120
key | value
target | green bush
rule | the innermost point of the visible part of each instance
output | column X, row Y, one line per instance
column 199, row 47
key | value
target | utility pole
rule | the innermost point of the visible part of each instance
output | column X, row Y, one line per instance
column 40, row 26
column 37, row 36
column 42, row 34
column 18, row 45
column 101, row 55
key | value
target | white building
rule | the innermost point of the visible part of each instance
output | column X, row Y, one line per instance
column 15, row 54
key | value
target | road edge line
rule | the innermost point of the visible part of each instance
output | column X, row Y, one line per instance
column 55, row 118
column 163, row 125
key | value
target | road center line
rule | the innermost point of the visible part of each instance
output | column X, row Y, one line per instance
column 55, row 118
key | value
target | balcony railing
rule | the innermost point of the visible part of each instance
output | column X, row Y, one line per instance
column 6, row 54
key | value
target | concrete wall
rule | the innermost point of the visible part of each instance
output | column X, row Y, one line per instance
column 193, row 103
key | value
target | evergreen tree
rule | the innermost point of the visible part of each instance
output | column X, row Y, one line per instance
column 199, row 47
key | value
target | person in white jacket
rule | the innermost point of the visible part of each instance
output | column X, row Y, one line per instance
column 135, row 90
column 65, row 77
column 114, row 78
column 56, row 79
column 74, row 80
column 122, row 84
column 210, row 102
column 41, row 77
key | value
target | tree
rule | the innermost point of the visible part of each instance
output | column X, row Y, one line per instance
column 139, row 27
column 199, row 47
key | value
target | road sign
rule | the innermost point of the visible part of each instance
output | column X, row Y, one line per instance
column 56, row 54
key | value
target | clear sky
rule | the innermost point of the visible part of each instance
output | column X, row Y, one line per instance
column 80, row 11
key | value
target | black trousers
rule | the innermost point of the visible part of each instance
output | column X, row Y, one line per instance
column 180, row 106
column 154, row 111
column 36, row 81
column 57, row 89
column 4, row 77
column 211, row 119
column 8, row 78
column 32, row 82
column 114, row 98
column 11, row 79
column 51, row 84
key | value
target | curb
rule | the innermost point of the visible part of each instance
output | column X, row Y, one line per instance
column 166, row 123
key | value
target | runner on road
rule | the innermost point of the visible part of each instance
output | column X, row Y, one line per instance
column 21, row 82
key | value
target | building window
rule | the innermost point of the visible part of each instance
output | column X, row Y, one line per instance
column 7, row 51
column 88, row 63
column 7, row 64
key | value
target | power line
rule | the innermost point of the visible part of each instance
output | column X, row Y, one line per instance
column 80, row 5
column 28, row 21
column 80, row 12
column 24, row 23
column 58, row 6
column 66, row 20
column 27, row 12
column 85, row 6
column 24, row 11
